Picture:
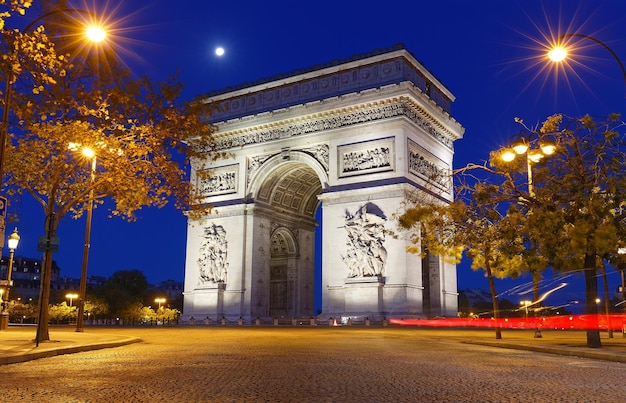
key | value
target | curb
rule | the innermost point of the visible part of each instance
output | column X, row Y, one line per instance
column 17, row 358
column 596, row 355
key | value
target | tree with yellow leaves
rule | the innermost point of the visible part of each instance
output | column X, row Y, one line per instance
column 141, row 134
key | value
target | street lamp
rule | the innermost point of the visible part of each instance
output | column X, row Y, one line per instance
column 523, row 145
column 525, row 303
column 559, row 52
column 88, row 152
column 622, row 268
column 13, row 241
column 71, row 297
column 160, row 301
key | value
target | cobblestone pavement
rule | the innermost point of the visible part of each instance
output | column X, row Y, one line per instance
column 309, row 365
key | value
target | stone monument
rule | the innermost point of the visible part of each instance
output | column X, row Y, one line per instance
column 355, row 138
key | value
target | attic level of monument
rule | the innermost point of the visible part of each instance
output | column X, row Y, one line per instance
column 374, row 70
column 332, row 151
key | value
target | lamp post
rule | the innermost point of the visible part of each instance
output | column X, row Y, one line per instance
column 71, row 297
column 13, row 241
column 160, row 301
column 89, row 153
column 523, row 145
column 622, row 268
column 559, row 52
column 525, row 304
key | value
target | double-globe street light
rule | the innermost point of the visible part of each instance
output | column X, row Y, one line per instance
column 13, row 241
column 523, row 145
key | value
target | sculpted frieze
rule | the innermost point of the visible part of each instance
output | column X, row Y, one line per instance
column 366, row 157
column 217, row 181
column 401, row 108
column 421, row 163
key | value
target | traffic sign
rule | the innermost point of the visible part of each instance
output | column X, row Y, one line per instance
column 44, row 245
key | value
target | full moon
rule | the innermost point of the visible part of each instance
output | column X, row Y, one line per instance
column 219, row 51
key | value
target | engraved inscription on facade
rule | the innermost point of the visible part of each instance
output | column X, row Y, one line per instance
column 365, row 254
column 217, row 181
column 421, row 164
column 367, row 157
column 213, row 254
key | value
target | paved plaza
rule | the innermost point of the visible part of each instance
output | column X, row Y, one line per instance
column 311, row 364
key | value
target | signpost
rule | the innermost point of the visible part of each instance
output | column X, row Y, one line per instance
column 3, row 215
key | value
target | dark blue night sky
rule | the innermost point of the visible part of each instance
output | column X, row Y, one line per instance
column 489, row 53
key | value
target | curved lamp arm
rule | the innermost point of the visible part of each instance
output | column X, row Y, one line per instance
column 604, row 45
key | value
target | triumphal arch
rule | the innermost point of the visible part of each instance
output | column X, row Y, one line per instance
column 355, row 138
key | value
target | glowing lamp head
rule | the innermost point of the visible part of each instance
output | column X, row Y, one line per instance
column 88, row 152
column 520, row 145
column 14, row 239
column 96, row 33
column 507, row 155
column 535, row 156
column 557, row 54
column 547, row 147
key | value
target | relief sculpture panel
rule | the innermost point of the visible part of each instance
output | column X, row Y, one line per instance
column 365, row 254
column 213, row 255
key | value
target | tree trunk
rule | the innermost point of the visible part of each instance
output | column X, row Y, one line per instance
column 44, row 292
column 591, row 308
column 606, row 299
column 494, row 298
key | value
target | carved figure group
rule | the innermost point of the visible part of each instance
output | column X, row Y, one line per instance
column 366, row 256
column 213, row 253
column 366, row 159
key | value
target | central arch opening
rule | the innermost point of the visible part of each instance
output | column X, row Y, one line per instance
column 289, row 197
